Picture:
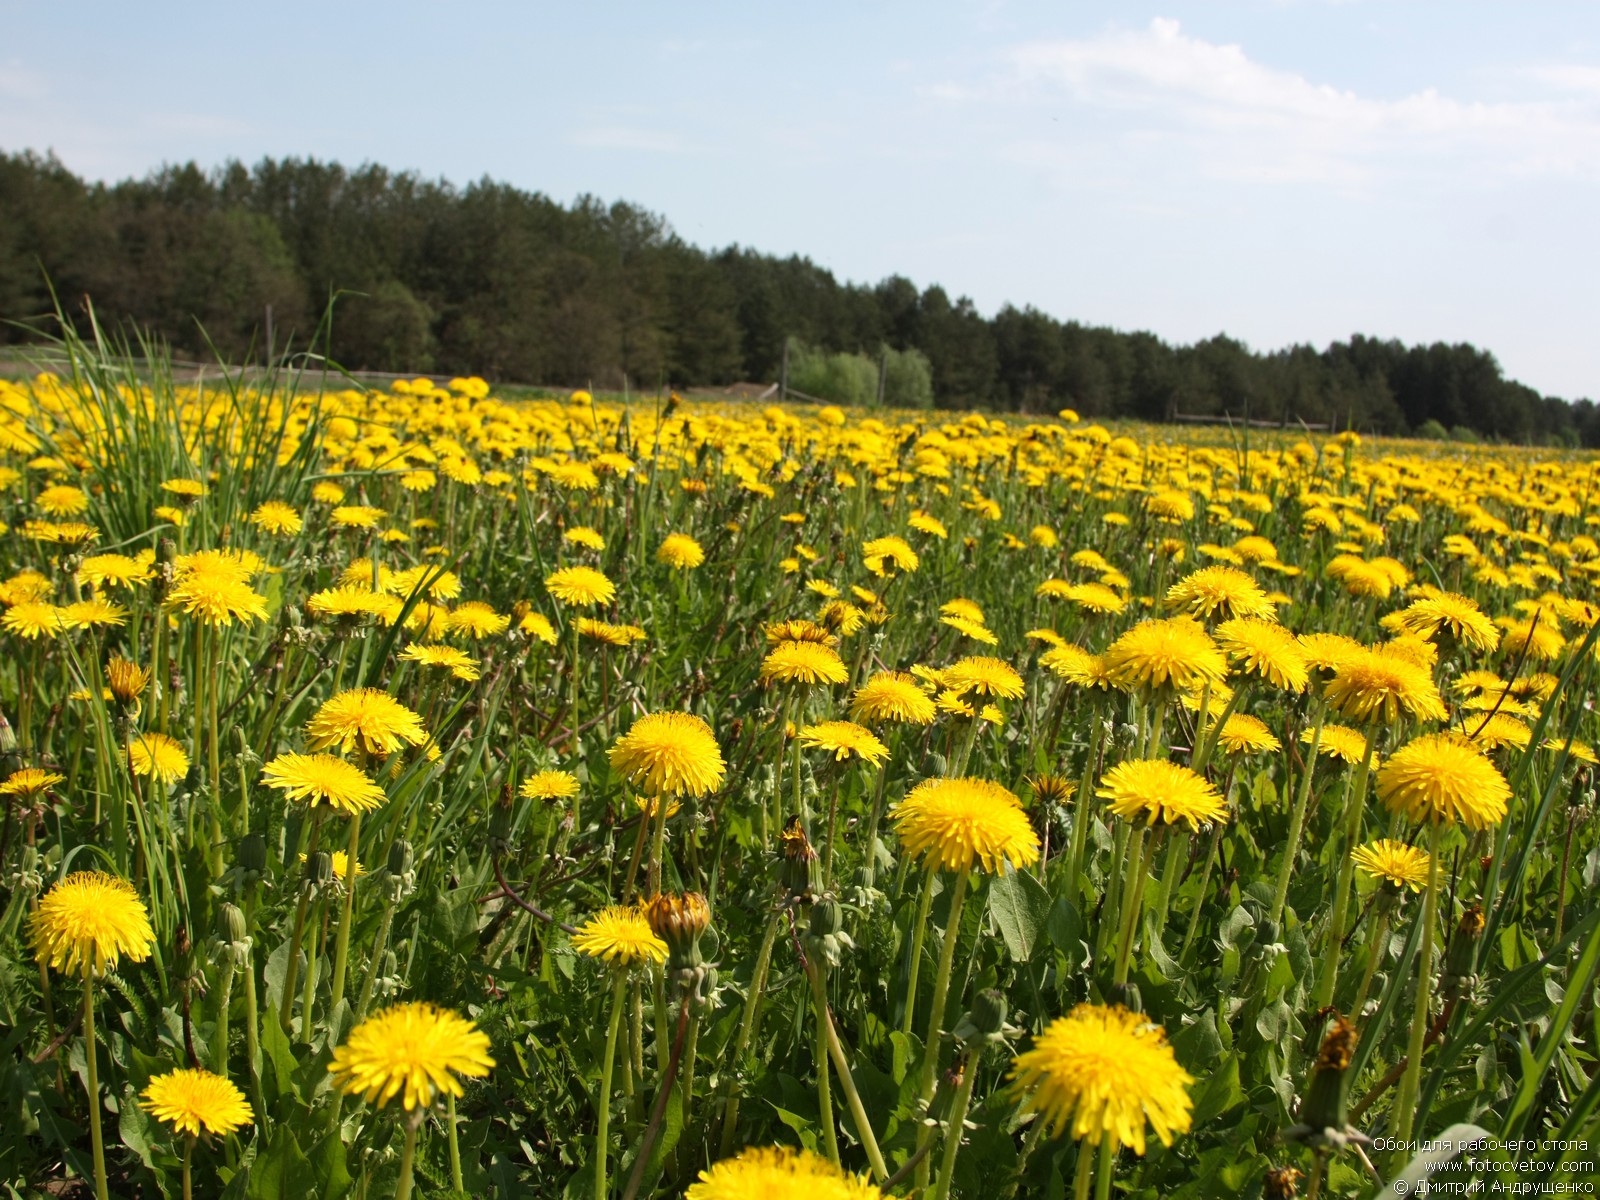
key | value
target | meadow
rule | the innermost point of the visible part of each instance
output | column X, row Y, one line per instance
column 415, row 792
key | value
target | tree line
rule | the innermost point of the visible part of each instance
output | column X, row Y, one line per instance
column 492, row 280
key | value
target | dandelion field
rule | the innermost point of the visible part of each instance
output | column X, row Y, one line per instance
column 418, row 793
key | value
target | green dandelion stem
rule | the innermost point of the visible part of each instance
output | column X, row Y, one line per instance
column 747, row 1031
column 341, row 947
column 941, row 987
column 847, row 1083
column 603, row 1127
column 455, row 1145
column 90, row 1054
column 292, row 970
column 1341, row 890
column 408, row 1155
column 1141, row 851
column 1297, row 820
column 1083, row 1174
column 1405, row 1104
column 919, row 931
column 957, row 1122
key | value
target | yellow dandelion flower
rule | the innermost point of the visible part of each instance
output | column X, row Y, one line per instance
column 885, row 555
column 807, row 663
column 1396, row 863
column 1448, row 614
column 1219, row 593
column 158, row 757
column 414, row 1051
column 366, row 719
column 1175, row 652
column 1243, row 734
column 277, row 518
column 580, row 587
column 680, row 552
column 1374, row 686
column 323, row 779
column 620, row 936
column 550, row 785
column 669, row 754
column 1267, row 649
column 196, row 1102
column 955, row 823
column 845, row 739
column 1162, row 792
column 1104, row 1072
column 88, row 921
column 1442, row 777
column 892, row 696
column 779, row 1173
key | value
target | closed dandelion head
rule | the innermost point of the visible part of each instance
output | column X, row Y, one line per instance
column 779, row 1173
column 365, row 719
column 805, row 663
column 1105, row 1072
column 1442, row 777
column 670, row 754
column 323, row 779
column 1396, row 863
column 1217, row 593
column 1051, row 789
column 580, row 587
column 953, row 824
column 126, row 680
column 1161, row 792
column 620, row 936
column 88, row 921
column 414, row 1051
column 678, row 919
column 196, row 1102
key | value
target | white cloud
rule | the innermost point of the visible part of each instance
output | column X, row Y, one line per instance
column 1256, row 121
column 625, row 137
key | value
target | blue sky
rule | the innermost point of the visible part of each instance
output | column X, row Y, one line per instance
column 1280, row 170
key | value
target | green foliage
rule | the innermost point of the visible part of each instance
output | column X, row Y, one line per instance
column 490, row 280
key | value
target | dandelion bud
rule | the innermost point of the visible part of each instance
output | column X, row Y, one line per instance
column 252, row 856
column 799, row 860
column 231, row 925
column 400, row 857
column 1327, row 1101
column 500, row 824
column 8, row 736
column 319, row 870
column 827, row 917
column 1462, row 952
column 986, row 1019
column 679, row 920
column 1281, row 1183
